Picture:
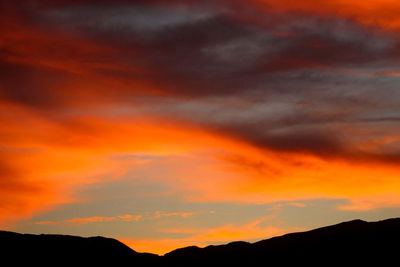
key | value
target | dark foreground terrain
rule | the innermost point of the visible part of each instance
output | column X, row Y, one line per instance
column 354, row 243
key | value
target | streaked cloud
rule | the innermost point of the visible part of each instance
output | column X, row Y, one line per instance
column 123, row 218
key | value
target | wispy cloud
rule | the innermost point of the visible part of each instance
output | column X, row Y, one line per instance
column 159, row 215
column 368, row 203
column 129, row 217
column 120, row 218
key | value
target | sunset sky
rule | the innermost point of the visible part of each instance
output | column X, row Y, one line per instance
column 165, row 124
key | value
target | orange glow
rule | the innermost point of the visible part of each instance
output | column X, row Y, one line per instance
column 383, row 13
column 203, row 237
column 310, row 177
column 212, row 167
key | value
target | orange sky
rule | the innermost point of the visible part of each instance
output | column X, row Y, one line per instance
column 380, row 13
column 252, row 103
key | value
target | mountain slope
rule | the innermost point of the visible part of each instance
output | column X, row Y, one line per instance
column 350, row 243
column 355, row 242
column 63, row 249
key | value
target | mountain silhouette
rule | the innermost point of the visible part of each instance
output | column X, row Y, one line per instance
column 350, row 243
column 56, row 250
column 356, row 242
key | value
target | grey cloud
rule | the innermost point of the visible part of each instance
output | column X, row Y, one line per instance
column 124, row 17
column 285, row 82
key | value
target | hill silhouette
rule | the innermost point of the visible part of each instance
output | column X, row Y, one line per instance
column 60, row 250
column 350, row 243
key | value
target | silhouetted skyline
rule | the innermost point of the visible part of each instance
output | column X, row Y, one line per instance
column 353, row 242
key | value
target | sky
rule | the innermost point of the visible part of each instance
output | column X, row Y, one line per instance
column 165, row 124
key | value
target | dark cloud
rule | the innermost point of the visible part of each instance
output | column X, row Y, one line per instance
column 210, row 51
column 214, row 50
column 322, row 143
column 30, row 85
column 283, row 81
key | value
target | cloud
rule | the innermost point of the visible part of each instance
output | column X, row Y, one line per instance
column 287, row 60
column 43, row 167
column 90, row 220
column 298, row 204
column 382, row 13
column 23, row 193
column 120, row 218
column 371, row 202
column 180, row 214
column 279, row 206
column 199, row 51
column 129, row 217
column 94, row 219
